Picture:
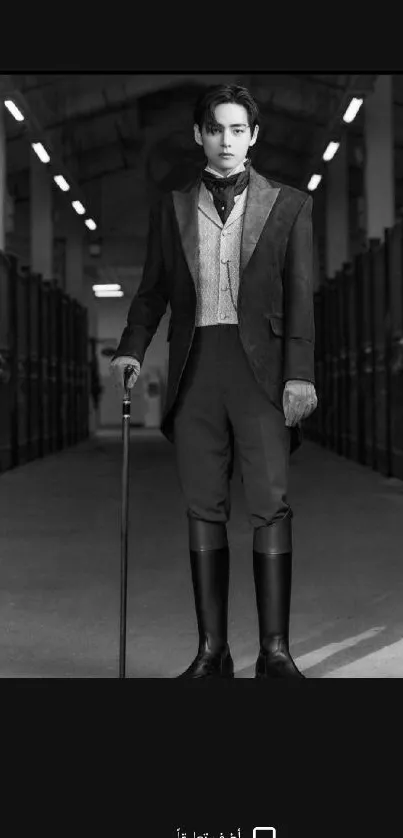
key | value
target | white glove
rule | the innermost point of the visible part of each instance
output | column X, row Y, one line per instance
column 299, row 401
column 117, row 368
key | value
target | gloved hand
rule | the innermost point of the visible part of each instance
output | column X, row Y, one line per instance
column 299, row 401
column 117, row 367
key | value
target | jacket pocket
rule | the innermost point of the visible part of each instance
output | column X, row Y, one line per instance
column 276, row 323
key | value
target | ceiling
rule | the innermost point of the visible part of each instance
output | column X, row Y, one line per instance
column 123, row 136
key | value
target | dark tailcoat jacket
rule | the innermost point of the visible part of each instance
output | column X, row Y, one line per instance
column 275, row 298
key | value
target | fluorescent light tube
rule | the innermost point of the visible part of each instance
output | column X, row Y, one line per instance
column 330, row 151
column 62, row 183
column 109, row 293
column 314, row 181
column 16, row 113
column 41, row 152
column 352, row 109
column 78, row 207
column 107, row 286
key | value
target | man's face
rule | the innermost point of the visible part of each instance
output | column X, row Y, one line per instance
column 226, row 144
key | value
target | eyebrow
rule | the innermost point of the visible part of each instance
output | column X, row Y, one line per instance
column 234, row 125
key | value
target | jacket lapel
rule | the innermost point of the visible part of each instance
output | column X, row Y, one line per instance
column 237, row 210
column 185, row 204
column 259, row 204
column 207, row 206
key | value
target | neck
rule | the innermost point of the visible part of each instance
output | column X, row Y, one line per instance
column 238, row 168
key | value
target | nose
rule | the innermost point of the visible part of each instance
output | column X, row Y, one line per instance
column 225, row 139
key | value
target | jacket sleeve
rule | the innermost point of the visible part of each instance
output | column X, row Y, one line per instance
column 299, row 344
column 151, row 299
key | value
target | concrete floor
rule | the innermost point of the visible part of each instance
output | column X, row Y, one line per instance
column 60, row 566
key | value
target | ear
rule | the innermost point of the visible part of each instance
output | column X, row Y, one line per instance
column 254, row 135
column 198, row 136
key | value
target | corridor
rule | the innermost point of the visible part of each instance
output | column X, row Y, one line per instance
column 60, row 566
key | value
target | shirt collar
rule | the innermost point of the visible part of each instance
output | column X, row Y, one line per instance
column 239, row 168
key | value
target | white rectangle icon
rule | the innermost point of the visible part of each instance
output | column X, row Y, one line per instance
column 269, row 832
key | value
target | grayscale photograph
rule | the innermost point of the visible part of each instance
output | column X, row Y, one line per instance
column 201, row 376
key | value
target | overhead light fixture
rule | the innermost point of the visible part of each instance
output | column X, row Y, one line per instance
column 314, row 182
column 78, row 207
column 62, row 183
column 91, row 224
column 109, row 293
column 41, row 152
column 107, row 286
column 15, row 112
column 352, row 109
column 330, row 151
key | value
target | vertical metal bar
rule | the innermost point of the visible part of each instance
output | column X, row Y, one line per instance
column 354, row 352
column 360, row 316
column 388, row 352
column 124, row 526
column 345, row 319
column 328, row 366
column 373, row 243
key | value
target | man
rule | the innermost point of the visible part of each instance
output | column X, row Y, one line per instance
column 232, row 254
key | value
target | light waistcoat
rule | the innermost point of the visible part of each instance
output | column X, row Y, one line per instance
column 218, row 262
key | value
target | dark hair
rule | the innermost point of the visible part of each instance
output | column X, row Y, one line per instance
column 218, row 94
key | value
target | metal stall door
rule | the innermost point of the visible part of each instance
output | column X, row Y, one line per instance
column 7, row 382
column 75, row 370
column 380, row 378
column 394, row 245
column 337, row 360
column 341, row 332
column 367, row 419
column 352, row 352
column 22, row 389
column 344, row 360
column 34, row 366
column 335, row 351
column 53, row 365
column 71, row 425
column 327, row 378
column 44, row 379
column 82, row 372
column 86, row 396
column 61, row 368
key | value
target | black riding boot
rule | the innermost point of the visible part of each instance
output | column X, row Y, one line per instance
column 272, row 565
column 209, row 560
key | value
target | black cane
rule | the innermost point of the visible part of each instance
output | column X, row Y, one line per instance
column 124, row 529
